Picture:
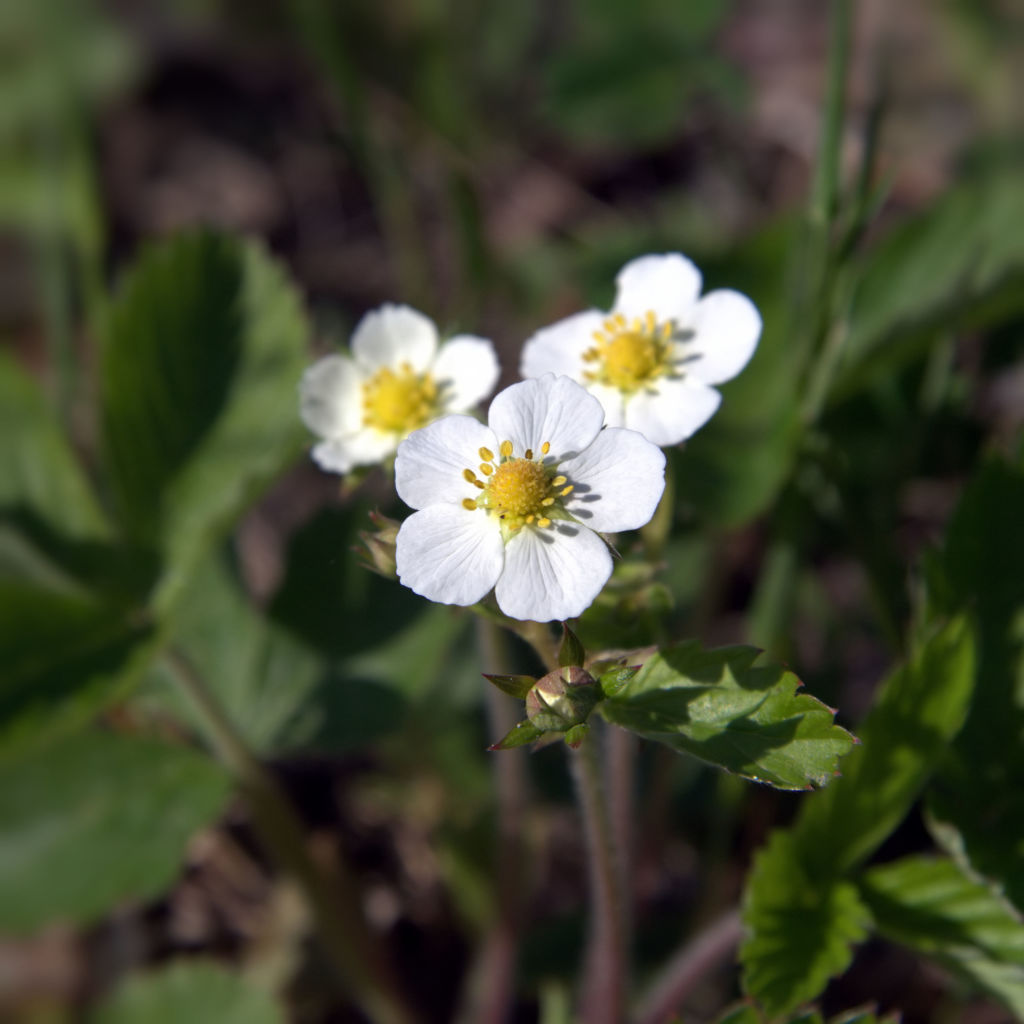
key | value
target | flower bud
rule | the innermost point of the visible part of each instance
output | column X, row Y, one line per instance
column 562, row 699
column 378, row 551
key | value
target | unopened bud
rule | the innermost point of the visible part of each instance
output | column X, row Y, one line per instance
column 378, row 550
column 562, row 699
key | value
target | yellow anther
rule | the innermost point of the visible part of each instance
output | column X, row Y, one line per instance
column 486, row 468
column 566, row 490
column 529, row 453
column 469, row 504
column 478, row 483
column 548, row 501
column 545, row 448
column 630, row 354
column 558, row 481
column 530, row 518
column 486, row 454
column 399, row 401
column 543, row 521
column 469, row 476
column 506, row 448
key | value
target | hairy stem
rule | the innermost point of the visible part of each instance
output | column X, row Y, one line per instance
column 490, row 988
column 604, row 974
column 332, row 896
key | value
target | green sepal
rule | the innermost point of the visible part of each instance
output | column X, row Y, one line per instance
column 571, row 651
column 612, row 681
column 514, row 686
column 575, row 736
column 519, row 735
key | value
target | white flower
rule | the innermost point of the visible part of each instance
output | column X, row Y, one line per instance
column 652, row 360
column 515, row 505
column 397, row 380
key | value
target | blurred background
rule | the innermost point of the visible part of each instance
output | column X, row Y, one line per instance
column 493, row 164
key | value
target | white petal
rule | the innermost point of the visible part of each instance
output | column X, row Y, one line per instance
column 331, row 396
column 559, row 347
column 617, row 481
column 393, row 335
column 613, row 402
column 449, row 555
column 546, row 409
column 677, row 409
column 726, row 328
column 367, row 446
column 668, row 284
column 335, row 456
column 468, row 369
column 431, row 461
column 552, row 573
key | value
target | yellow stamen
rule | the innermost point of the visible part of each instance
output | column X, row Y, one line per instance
column 631, row 355
column 518, row 491
column 399, row 401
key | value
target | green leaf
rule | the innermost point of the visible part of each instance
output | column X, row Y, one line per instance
column 65, row 656
column 263, row 678
column 919, row 710
column 331, row 601
column 202, row 356
column 197, row 991
column 801, row 929
column 720, row 707
column 94, row 820
column 979, row 799
column 930, row 905
column 953, row 264
column 53, row 532
column 40, row 477
column 742, row 1014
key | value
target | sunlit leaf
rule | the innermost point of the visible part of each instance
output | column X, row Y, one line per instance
column 200, row 364
column 801, row 930
column 721, row 707
column 94, row 820
column 930, row 905
column 197, row 991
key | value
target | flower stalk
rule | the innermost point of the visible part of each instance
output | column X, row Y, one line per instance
column 604, row 973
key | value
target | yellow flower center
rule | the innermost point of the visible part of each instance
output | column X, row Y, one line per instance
column 630, row 355
column 399, row 401
column 520, row 491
